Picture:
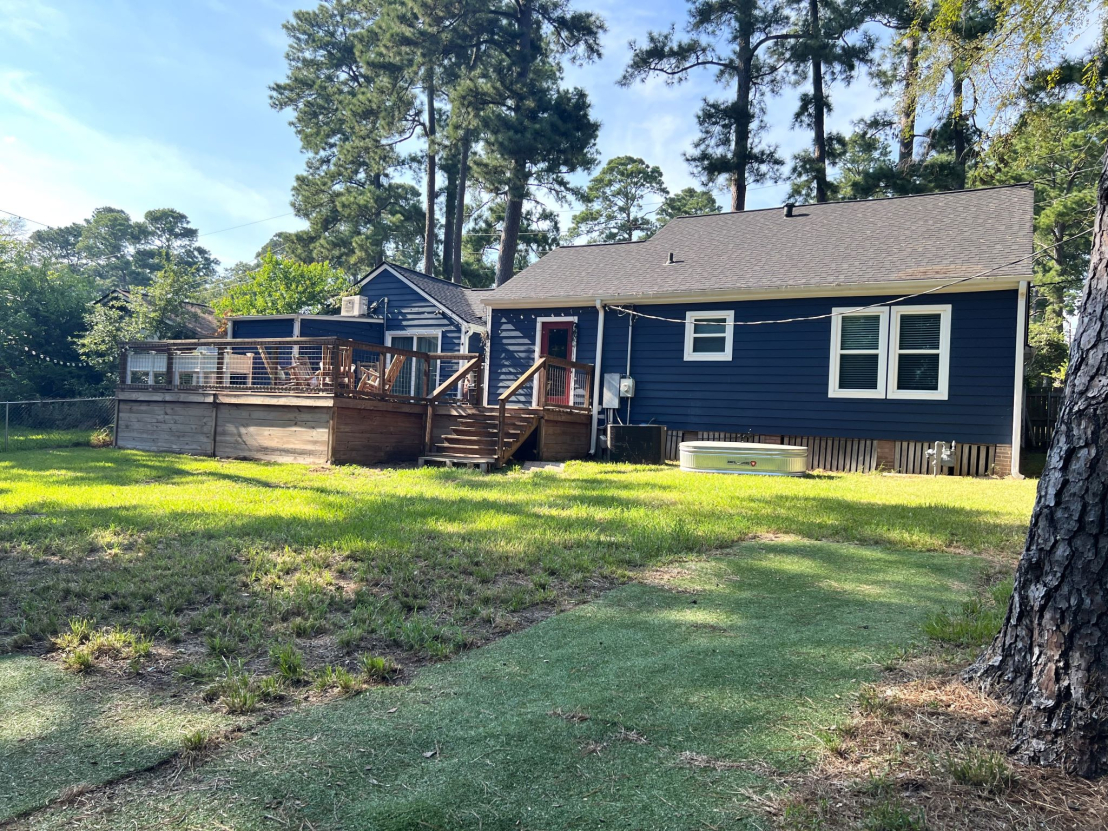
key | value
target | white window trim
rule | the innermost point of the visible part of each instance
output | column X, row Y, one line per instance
column 420, row 333
column 833, row 390
column 943, row 392
column 729, row 335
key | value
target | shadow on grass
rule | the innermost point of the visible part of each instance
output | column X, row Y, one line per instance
column 681, row 700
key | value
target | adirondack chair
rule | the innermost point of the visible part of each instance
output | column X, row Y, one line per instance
column 393, row 371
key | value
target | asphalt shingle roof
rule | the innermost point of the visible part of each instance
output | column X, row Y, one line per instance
column 464, row 301
column 927, row 237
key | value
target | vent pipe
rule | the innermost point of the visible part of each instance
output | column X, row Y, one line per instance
column 789, row 209
column 670, row 261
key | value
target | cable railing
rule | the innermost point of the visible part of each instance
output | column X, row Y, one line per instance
column 301, row 366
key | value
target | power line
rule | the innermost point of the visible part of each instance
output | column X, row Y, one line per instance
column 24, row 218
column 959, row 281
column 246, row 224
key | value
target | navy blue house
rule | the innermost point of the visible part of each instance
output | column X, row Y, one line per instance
column 866, row 330
column 407, row 309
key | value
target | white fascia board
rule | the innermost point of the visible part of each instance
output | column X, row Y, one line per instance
column 896, row 288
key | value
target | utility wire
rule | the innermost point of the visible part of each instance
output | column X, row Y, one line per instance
column 246, row 224
column 959, row 281
column 24, row 218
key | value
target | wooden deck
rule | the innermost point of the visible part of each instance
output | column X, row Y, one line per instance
column 344, row 413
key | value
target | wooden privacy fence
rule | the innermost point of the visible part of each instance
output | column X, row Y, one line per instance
column 1041, row 409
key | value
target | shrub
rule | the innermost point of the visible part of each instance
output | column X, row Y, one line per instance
column 288, row 662
column 377, row 668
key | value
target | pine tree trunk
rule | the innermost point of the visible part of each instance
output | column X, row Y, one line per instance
column 448, row 221
column 743, row 116
column 460, row 208
column 379, row 254
column 509, row 236
column 819, row 133
column 1050, row 659
column 958, row 125
column 429, row 228
column 909, row 103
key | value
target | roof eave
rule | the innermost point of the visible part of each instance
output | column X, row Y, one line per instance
column 986, row 283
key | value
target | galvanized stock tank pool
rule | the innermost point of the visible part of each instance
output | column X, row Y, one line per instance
column 743, row 457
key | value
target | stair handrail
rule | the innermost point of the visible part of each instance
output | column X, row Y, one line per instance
column 538, row 365
column 428, row 424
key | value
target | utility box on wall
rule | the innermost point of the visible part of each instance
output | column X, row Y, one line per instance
column 637, row 444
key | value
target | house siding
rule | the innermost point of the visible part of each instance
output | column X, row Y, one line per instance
column 776, row 382
column 364, row 331
column 274, row 327
column 512, row 349
column 410, row 311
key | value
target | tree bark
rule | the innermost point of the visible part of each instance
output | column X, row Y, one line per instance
column 517, row 177
column 429, row 228
column 743, row 116
column 909, row 102
column 819, row 133
column 958, row 125
column 460, row 207
column 448, row 222
column 1050, row 659
column 379, row 255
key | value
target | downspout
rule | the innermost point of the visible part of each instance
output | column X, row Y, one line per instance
column 596, row 373
column 1017, row 402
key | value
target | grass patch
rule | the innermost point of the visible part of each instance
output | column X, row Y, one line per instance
column 59, row 731
column 976, row 622
column 653, row 707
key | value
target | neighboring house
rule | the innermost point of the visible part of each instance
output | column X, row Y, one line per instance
column 200, row 321
column 861, row 373
column 406, row 309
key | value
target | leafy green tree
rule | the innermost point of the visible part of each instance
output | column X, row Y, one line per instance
column 284, row 286
column 160, row 311
column 687, row 202
column 41, row 308
column 731, row 38
column 538, row 234
column 117, row 252
column 613, row 203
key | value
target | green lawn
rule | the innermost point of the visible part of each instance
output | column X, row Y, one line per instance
column 249, row 581
column 652, row 708
column 36, row 438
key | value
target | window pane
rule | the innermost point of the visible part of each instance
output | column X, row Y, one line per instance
column 857, row 372
column 920, row 331
column 713, row 345
column 918, row 372
column 710, row 326
column 860, row 332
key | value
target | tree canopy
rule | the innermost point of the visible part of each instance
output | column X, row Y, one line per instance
column 614, row 206
column 284, row 286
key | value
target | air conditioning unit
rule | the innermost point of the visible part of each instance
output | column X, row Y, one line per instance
column 356, row 306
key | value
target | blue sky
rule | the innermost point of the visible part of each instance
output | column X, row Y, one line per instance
column 141, row 104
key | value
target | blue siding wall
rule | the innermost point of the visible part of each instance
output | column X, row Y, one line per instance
column 776, row 382
column 366, row 331
column 408, row 310
column 274, row 327
column 513, row 346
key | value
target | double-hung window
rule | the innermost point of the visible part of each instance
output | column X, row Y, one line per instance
column 890, row 352
column 920, row 360
column 859, row 350
column 708, row 335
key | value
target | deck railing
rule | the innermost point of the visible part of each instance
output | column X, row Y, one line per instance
column 325, row 366
column 558, row 384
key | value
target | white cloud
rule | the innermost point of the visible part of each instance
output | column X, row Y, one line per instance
column 26, row 19
column 56, row 169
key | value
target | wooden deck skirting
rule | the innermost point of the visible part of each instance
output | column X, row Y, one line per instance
column 315, row 428
column 866, row 455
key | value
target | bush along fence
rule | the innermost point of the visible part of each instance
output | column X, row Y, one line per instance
column 68, row 422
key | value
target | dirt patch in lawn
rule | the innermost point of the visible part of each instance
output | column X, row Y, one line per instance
column 924, row 751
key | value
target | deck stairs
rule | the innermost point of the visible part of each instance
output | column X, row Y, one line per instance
column 472, row 441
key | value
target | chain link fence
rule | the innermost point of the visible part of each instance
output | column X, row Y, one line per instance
column 69, row 422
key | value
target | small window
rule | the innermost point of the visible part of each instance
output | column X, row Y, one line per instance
column 921, row 352
column 708, row 336
column 858, row 350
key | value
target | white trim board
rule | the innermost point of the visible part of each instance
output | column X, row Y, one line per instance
column 691, row 318
column 1017, row 398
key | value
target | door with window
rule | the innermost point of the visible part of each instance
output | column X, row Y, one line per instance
column 556, row 341
column 411, row 378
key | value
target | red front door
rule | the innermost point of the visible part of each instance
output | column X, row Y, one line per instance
column 556, row 340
